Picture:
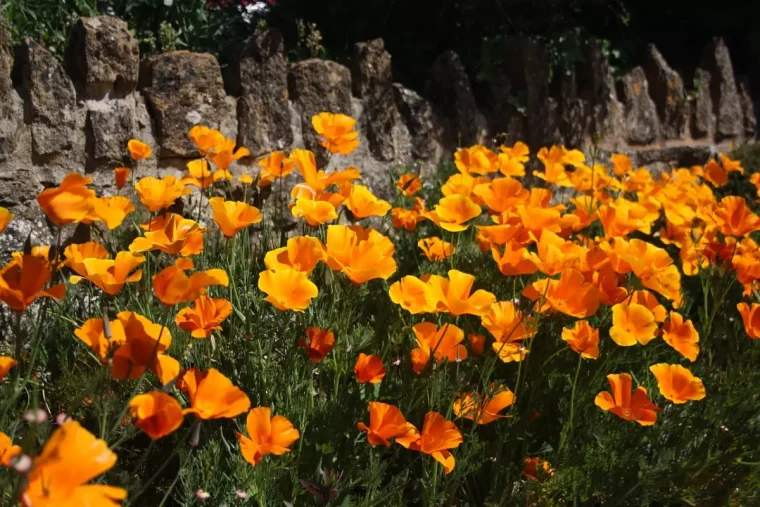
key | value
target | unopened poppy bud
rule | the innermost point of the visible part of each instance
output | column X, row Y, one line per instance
column 35, row 416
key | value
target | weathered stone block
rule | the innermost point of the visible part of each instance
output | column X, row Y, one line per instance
column 748, row 107
column 725, row 96
column 11, row 106
column 418, row 116
column 702, row 118
column 641, row 122
column 667, row 91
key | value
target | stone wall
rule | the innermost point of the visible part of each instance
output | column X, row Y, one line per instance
column 77, row 115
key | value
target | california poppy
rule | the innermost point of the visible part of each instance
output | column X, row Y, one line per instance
column 632, row 323
column 514, row 260
column 442, row 344
column 507, row 323
column 315, row 180
column 531, row 468
column 409, row 184
column 199, row 174
column 453, row 295
column 734, row 218
column 212, row 395
column 337, row 131
column 361, row 254
column 171, row 234
column 477, row 343
column 452, row 212
column 412, row 294
column 314, row 212
column 369, row 369
column 266, row 435
column 583, row 339
column 502, row 194
column 483, row 410
column 571, row 294
column 23, row 280
column 110, row 210
column 437, row 437
column 120, row 176
column 318, row 343
column 362, row 203
column 275, row 165
column 224, row 153
column 232, row 217
column 512, row 159
column 5, row 218
column 476, row 159
column 71, row 458
column 156, row 413
column 677, row 384
column 302, row 253
column 172, row 285
column 6, row 363
column 92, row 333
column 406, row 218
column 205, row 316
column 204, row 138
column 387, row 422
column 157, row 194
column 138, row 150
column 287, row 289
column 435, row 249
column 145, row 342
column 681, row 335
column 8, row 451
column 76, row 253
column 637, row 408
column 109, row 274
column 70, row 202
column 750, row 318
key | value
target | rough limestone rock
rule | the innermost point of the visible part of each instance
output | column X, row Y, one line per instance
column 573, row 113
column 373, row 83
column 110, row 125
column 702, row 118
column 317, row 86
column 506, row 122
column 263, row 111
column 449, row 89
column 11, row 106
column 641, row 122
column 725, row 96
column 184, row 89
column 597, row 88
column 102, row 57
column 421, row 122
column 748, row 107
column 667, row 90
column 681, row 156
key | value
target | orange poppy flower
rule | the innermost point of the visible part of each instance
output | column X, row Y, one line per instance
column 502, row 194
column 652, row 265
column 606, row 280
column 507, row 323
column 677, row 384
column 205, row 316
column 406, row 218
column 302, row 253
column 92, row 333
column 317, row 181
column 266, row 435
column 6, row 363
column 435, row 249
column 109, row 274
column 171, row 234
column 632, row 323
column 110, row 210
column 318, row 344
column 204, row 138
column 275, row 165
column 464, row 184
column 409, row 184
column 246, row 179
column 512, row 159
column 453, row 211
column 157, row 194
column 442, row 344
column 70, row 202
column 76, row 253
column 173, row 286
column 287, row 289
column 554, row 161
column 5, row 218
column 360, row 254
column 476, row 159
column 145, row 342
column 750, row 318
column 531, row 468
column 637, row 408
column 646, row 298
column 386, row 422
column 362, row 203
column 452, row 295
column 477, row 342
column 681, row 335
column 8, row 451
column 510, row 351
column 224, row 153
column 337, row 131
column 199, row 174
column 621, row 164
column 412, row 294
column 514, row 261
column 734, row 218
column 71, row 458
column 369, row 369
column 212, row 395
column 714, row 173
column 555, row 254
column 138, row 150
column 232, row 217
column 437, row 437
column 583, row 339
column 120, row 176
column 315, row 212
column 23, row 279
column 156, row 413
column 485, row 410
column 571, row 294
column 621, row 217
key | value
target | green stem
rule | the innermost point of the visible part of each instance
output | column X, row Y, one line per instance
column 563, row 438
